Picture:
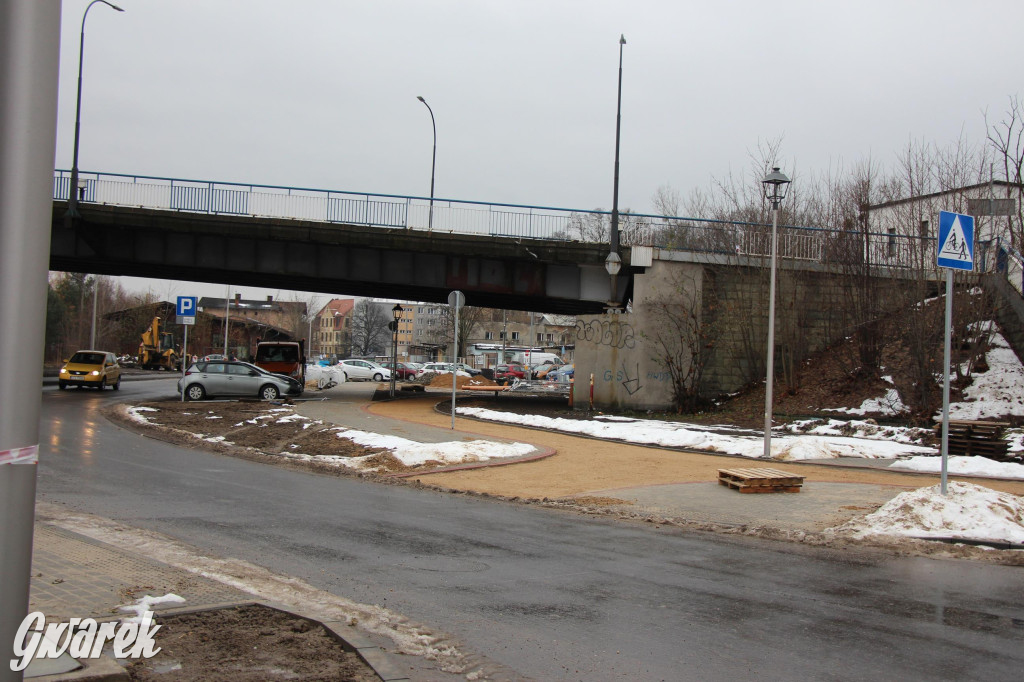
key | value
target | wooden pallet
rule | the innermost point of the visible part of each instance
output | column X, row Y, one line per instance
column 760, row 480
column 981, row 438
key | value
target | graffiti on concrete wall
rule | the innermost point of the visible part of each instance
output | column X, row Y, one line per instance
column 604, row 333
column 630, row 382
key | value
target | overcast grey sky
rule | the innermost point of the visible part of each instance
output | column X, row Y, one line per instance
column 322, row 94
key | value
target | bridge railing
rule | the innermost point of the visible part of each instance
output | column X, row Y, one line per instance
column 501, row 220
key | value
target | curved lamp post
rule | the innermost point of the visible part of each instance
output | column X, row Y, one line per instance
column 433, row 164
column 614, row 241
column 775, row 185
column 73, row 190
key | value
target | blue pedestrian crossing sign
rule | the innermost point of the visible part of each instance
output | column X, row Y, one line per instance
column 956, row 241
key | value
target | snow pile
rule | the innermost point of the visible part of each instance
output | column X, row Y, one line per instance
column 412, row 453
column 743, row 442
column 964, row 466
column 968, row 511
column 996, row 393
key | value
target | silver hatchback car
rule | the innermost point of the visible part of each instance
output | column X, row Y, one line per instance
column 226, row 378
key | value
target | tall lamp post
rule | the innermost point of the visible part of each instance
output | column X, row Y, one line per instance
column 433, row 164
column 775, row 185
column 614, row 262
column 73, row 189
column 396, row 313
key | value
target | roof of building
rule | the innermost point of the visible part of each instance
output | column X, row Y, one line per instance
column 260, row 305
column 340, row 306
column 921, row 197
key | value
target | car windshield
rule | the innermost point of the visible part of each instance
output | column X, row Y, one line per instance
column 88, row 358
column 268, row 353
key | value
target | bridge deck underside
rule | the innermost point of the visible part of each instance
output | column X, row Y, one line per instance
column 330, row 258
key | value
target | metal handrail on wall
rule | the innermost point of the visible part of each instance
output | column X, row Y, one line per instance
column 495, row 219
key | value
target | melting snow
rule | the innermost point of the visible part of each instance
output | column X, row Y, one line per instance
column 968, row 511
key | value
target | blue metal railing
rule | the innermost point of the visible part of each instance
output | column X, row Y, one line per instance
column 496, row 219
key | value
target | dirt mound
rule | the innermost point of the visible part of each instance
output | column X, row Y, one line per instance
column 247, row 643
column 445, row 381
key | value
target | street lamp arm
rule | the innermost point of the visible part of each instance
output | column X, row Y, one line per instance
column 433, row 163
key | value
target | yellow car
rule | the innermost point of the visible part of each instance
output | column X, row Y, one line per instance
column 90, row 368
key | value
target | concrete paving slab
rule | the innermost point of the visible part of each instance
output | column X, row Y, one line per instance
column 74, row 576
column 817, row 506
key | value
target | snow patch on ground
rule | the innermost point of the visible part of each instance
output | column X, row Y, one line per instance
column 143, row 604
column 412, row 453
column 743, row 442
column 135, row 414
column 996, row 393
column 968, row 511
column 964, row 466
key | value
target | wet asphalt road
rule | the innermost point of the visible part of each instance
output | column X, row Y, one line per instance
column 548, row 594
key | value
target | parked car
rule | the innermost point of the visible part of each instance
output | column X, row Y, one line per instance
column 471, row 371
column 95, row 368
column 214, row 356
column 563, row 373
column 542, row 371
column 364, row 370
column 439, row 367
column 403, row 370
column 226, row 378
column 505, row 374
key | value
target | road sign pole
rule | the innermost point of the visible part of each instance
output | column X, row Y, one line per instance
column 184, row 362
column 946, row 359
column 955, row 251
column 455, row 358
column 29, row 60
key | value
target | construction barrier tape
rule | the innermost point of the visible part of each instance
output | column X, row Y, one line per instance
column 26, row 455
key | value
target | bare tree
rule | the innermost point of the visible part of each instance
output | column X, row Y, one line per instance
column 681, row 337
column 369, row 328
column 1007, row 142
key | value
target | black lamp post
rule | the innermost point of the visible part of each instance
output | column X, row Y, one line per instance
column 396, row 313
column 614, row 262
column 775, row 185
column 433, row 164
column 73, row 190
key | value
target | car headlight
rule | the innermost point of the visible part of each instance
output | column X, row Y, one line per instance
column 95, row 372
column 63, row 370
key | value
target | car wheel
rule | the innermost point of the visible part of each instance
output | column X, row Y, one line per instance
column 117, row 384
column 269, row 392
column 62, row 385
column 195, row 392
column 378, row 377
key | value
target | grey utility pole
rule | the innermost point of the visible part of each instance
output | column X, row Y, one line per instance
column 29, row 60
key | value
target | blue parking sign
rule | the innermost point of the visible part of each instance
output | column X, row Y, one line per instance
column 186, row 310
column 186, row 306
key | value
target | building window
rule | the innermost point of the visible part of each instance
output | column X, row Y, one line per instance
column 892, row 242
column 488, row 336
column 515, row 336
column 923, row 232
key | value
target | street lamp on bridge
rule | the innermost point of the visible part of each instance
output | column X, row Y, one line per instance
column 614, row 261
column 433, row 164
column 775, row 185
column 73, row 188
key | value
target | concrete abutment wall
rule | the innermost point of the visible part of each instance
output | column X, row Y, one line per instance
column 729, row 305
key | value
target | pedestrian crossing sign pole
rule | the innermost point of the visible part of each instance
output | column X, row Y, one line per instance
column 955, row 252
